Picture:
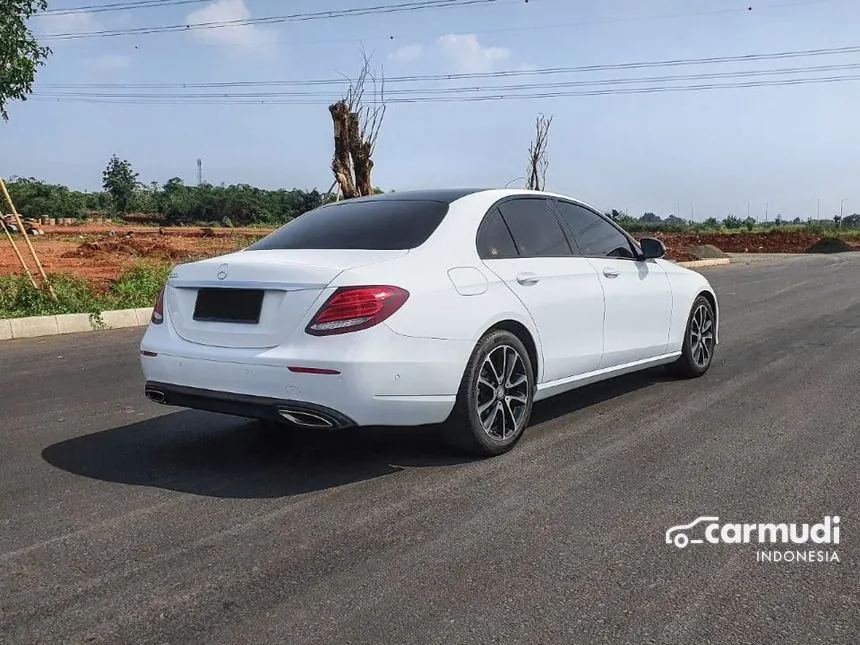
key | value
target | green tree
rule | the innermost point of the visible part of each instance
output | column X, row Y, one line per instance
column 120, row 182
column 20, row 53
column 732, row 222
column 34, row 198
column 711, row 223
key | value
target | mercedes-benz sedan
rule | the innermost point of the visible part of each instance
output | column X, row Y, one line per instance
column 453, row 307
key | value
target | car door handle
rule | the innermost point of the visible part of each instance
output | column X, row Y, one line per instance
column 609, row 272
column 527, row 279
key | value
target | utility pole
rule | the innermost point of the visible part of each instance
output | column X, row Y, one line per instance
column 766, row 210
column 818, row 212
column 748, row 209
column 199, row 172
column 840, row 206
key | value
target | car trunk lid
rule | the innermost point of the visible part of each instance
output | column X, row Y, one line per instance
column 255, row 299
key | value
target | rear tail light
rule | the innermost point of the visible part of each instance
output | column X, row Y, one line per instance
column 353, row 308
column 158, row 311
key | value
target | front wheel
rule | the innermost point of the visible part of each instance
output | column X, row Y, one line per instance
column 699, row 341
column 494, row 401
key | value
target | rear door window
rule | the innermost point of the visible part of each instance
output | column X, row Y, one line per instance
column 378, row 225
column 535, row 228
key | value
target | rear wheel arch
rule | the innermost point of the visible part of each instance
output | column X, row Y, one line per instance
column 522, row 332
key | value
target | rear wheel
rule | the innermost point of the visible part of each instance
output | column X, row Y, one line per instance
column 699, row 341
column 494, row 402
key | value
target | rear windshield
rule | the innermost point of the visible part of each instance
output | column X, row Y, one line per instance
column 379, row 225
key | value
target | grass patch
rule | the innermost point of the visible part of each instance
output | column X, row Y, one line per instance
column 135, row 287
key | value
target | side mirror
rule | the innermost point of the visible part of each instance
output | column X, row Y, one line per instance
column 652, row 248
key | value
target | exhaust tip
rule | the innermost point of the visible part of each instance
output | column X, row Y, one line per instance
column 305, row 419
column 155, row 395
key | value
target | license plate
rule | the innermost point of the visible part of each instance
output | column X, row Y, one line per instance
column 229, row 305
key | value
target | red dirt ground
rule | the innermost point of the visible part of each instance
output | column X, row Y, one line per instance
column 770, row 242
column 90, row 252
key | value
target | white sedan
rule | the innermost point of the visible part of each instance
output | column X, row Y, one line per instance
column 454, row 307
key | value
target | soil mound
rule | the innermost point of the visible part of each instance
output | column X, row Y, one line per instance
column 830, row 245
column 708, row 252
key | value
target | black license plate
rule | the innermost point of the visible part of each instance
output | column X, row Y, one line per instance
column 229, row 305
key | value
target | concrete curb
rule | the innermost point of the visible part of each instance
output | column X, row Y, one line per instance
column 715, row 262
column 35, row 326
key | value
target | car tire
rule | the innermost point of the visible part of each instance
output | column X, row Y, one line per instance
column 697, row 352
column 493, row 409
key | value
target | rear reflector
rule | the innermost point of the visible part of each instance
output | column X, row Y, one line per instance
column 354, row 308
column 145, row 353
column 311, row 370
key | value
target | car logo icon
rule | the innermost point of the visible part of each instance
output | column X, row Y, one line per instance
column 222, row 271
column 675, row 535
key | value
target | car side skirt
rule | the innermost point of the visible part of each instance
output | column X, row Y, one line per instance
column 552, row 388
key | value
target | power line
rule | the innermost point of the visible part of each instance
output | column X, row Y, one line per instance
column 500, row 96
column 391, row 37
column 547, row 71
column 415, row 5
column 118, row 6
column 412, row 91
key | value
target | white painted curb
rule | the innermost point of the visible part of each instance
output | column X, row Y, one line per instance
column 36, row 326
column 714, row 262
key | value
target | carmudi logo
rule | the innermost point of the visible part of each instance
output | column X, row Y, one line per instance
column 708, row 530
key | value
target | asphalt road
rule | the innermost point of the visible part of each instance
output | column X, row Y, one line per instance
column 125, row 522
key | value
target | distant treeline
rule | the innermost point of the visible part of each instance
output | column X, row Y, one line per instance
column 173, row 203
column 674, row 224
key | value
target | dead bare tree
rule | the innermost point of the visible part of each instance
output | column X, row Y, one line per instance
column 357, row 120
column 538, row 162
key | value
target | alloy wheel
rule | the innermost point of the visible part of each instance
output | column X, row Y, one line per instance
column 502, row 393
column 702, row 335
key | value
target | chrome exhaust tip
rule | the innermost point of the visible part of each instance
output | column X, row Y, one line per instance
column 305, row 419
column 155, row 395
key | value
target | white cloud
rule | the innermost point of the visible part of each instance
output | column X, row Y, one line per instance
column 467, row 55
column 112, row 61
column 250, row 39
column 407, row 53
column 69, row 23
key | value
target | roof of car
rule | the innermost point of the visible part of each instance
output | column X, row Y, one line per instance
column 451, row 195
column 446, row 195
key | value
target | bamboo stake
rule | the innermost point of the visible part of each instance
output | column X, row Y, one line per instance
column 27, row 239
column 18, row 254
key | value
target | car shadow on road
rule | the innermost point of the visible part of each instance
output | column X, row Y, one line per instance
column 220, row 456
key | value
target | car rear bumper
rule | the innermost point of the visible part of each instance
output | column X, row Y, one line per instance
column 379, row 378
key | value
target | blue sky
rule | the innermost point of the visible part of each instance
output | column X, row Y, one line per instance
column 703, row 152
